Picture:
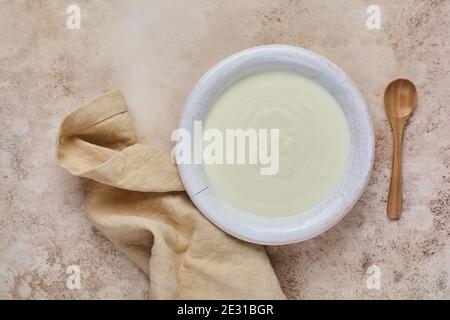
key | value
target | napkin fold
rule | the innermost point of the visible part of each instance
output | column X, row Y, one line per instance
column 136, row 199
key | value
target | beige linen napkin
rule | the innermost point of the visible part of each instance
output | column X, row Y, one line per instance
column 136, row 199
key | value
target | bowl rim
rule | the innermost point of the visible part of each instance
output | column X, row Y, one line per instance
column 276, row 230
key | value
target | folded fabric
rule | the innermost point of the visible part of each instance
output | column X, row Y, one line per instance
column 136, row 199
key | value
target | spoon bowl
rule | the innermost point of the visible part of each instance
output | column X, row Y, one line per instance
column 400, row 99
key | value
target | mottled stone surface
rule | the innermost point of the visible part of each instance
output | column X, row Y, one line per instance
column 155, row 51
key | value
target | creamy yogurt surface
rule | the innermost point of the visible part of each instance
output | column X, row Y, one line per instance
column 313, row 149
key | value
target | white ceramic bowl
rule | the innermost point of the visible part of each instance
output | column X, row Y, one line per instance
column 304, row 225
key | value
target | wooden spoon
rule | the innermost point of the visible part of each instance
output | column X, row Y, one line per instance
column 400, row 99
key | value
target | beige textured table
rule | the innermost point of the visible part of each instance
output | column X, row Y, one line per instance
column 155, row 51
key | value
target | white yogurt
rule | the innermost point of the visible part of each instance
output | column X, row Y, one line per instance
column 314, row 142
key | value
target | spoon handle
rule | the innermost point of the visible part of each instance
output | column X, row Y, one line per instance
column 395, row 198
